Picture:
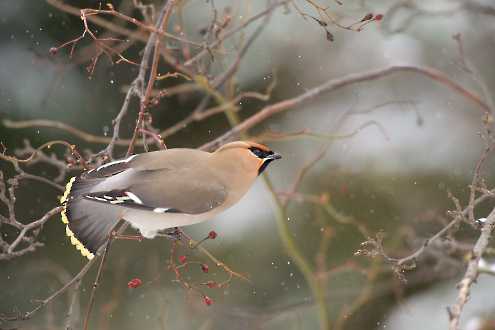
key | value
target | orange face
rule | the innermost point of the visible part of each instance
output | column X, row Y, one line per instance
column 255, row 154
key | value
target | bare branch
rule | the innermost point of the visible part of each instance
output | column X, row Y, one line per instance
column 335, row 84
column 472, row 272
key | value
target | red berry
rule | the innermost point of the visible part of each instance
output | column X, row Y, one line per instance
column 207, row 300
column 204, row 268
column 212, row 234
column 134, row 283
column 182, row 259
column 212, row 284
column 378, row 17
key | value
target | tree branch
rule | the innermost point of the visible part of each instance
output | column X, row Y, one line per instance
column 335, row 84
column 472, row 272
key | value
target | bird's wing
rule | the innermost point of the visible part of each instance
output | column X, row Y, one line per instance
column 178, row 190
column 158, row 182
column 109, row 169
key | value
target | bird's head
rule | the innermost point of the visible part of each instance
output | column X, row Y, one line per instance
column 254, row 156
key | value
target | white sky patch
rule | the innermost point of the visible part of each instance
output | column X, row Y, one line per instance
column 426, row 310
column 253, row 210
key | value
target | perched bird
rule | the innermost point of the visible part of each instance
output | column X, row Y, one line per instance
column 158, row 190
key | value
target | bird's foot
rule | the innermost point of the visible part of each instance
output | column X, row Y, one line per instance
column 173, row 235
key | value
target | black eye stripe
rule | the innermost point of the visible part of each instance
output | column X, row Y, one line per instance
column 260, row 153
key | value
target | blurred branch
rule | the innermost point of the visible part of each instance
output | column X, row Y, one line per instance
column 38, row 123
column 91, row 138
column 306, row 133
column 300, row 260
column 70, row 317
column 364, row 297
column 207, row 49
column 373, row 246
column 467, row 66
column 137, row 86
column 96, row 283
column 90, row 14
column 42, row 303
column 154, row 43
column 211, row 87
column 312, row 276
column 414, row 10
column 64, row 7
column 335, row 84
column 317, row 278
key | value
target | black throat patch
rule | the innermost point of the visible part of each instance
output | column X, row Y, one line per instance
column 264, row 165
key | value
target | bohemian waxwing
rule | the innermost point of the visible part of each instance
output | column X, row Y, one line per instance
column 159, row 190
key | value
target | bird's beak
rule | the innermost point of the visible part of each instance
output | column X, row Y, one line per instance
column 274, row 156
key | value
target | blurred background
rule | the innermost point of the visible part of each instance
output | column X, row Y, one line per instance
column 394, row 146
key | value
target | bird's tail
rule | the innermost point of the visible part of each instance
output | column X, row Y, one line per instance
column 88, row 223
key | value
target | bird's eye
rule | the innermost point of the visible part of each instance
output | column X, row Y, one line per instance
column 257, row 152
column 260, row 153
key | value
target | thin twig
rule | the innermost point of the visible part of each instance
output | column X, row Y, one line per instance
column 69, row 317
column 49, row 299
column 472, row 272
column 228, row 34
column 137, row 87
column 96, row 283
column 145, row 94
column 31, row 226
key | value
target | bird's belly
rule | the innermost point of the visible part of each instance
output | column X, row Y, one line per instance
column 149, row 223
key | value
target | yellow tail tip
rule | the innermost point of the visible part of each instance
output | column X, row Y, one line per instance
column 64, row 215
column 68, row 187
column 73, row 239
column 79, row 246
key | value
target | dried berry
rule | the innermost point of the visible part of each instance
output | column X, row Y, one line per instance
column 134, row 283
column 204, row 268
column 207, row 300
column 212, row 234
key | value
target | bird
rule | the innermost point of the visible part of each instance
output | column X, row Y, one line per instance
column 159, row 190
